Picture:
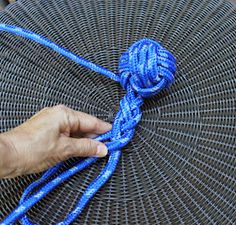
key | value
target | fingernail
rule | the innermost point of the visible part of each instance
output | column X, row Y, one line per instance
column 101, row 150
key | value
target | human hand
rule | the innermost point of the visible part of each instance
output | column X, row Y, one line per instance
column 49, row 137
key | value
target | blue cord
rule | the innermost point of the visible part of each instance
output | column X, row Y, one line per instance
column 144, row 70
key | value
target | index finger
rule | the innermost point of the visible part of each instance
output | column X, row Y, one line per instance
column 78, row 121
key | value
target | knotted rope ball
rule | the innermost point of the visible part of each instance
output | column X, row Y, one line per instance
column 144, row 70
column 147, row 67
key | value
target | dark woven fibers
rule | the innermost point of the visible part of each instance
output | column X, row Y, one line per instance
column 180, row 167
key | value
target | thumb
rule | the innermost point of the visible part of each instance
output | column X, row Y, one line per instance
column 83, row 147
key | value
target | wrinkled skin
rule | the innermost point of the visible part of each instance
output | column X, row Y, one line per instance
column 50, row 136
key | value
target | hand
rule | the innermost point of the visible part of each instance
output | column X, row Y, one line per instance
column 51, row 136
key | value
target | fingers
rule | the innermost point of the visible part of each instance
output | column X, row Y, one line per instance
column 83, row 147
column 81, row 122
column 85, row 135
column 90, row 135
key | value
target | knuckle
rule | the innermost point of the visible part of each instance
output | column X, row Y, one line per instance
column 91, row 147
column 96, row 123
column 60, row 109
column 68, row 151
column 88, row 144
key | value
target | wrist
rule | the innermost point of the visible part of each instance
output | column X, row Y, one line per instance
column 8, row 156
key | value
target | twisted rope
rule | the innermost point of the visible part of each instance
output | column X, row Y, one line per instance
column 145, row 69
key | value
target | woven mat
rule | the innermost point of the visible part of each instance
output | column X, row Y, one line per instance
column 180, row 167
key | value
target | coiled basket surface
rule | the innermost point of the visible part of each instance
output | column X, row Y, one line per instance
column 180, row 166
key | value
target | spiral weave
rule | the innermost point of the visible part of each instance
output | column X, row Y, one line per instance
column 144, row 70
column 147, row 67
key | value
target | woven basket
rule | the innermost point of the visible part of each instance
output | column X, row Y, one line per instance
column 180, row 166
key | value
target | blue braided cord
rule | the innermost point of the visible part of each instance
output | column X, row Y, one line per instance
column 41, row 180
column 65, row 52
column 28, row 203
column 93, row 187
column 36, row 184
column 144, row 70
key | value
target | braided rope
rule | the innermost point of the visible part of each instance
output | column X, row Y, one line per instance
column 144, row 70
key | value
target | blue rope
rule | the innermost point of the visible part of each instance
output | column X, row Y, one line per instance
column 144, row 70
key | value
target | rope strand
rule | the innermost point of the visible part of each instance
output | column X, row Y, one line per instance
column 145, row 69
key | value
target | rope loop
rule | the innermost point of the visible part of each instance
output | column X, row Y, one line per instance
column 144, row 70
column 147, row 67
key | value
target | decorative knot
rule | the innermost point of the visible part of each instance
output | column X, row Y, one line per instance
column 147, row 67
column 144, row 70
